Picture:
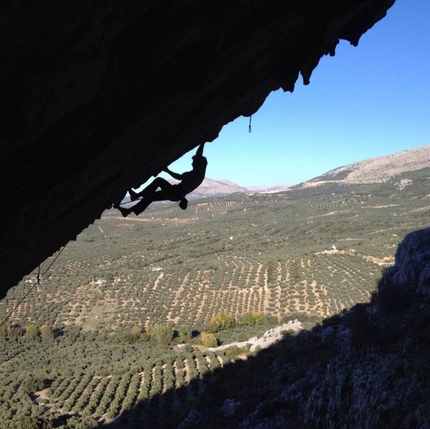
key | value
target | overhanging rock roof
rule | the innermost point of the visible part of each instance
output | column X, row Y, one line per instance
column 97, row 97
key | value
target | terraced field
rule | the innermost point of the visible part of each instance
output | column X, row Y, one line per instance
column 251, row 253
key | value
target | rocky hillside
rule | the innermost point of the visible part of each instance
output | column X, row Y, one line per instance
column 216, row 188
column 376, row 170
column 367, row 368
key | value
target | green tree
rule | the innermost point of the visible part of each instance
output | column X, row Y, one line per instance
column 13, row 331
column 252, row 318
column 46, row 333
column 129, row 338
column 136, row 330
column 208, row 339
column 185, row 332
column 163, row 334
column 33, row 383
column 30, row 422
column 33, row 332
column 220, row 322
column 270, row 271
column 5, row 329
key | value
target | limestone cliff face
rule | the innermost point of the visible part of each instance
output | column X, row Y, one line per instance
column 409, row 278
column 98, row 96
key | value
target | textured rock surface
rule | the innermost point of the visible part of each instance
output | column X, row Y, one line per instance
column 366, row 368
column 382, row 386
column 269, row 338
column 377, row 376
column 409, row 278
column 98, row 96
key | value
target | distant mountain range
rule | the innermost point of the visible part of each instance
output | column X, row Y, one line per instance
column 217, row 188
column 375, row 170
column 211, row 188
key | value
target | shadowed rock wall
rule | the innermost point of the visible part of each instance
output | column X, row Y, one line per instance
column 97, row 97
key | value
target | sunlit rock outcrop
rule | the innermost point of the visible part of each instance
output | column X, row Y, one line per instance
column 97, row 97
column 409, row 277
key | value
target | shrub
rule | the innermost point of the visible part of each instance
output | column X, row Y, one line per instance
column 185, row 332
column 208, row 339
column 34, row 384
column 220, row 322
column 129, row 338
column 33, row 332
column 46, row 333
column 234, row 351
column 162, row 334
column 30, row 422
column 252, row 318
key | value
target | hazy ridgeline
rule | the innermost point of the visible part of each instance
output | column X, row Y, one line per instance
column 92, row 340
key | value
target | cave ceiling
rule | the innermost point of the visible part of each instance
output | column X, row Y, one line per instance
column 97, row 97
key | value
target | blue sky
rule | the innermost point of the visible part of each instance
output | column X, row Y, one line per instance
column 366, row 101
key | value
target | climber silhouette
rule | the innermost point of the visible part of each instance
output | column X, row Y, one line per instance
column 190, row 180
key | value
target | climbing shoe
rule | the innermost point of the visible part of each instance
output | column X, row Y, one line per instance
column 124, row 212
column 183, row 204
column 133, row 195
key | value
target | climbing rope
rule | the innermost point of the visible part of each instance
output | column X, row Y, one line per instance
column 249, row 126
column 38, row 277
